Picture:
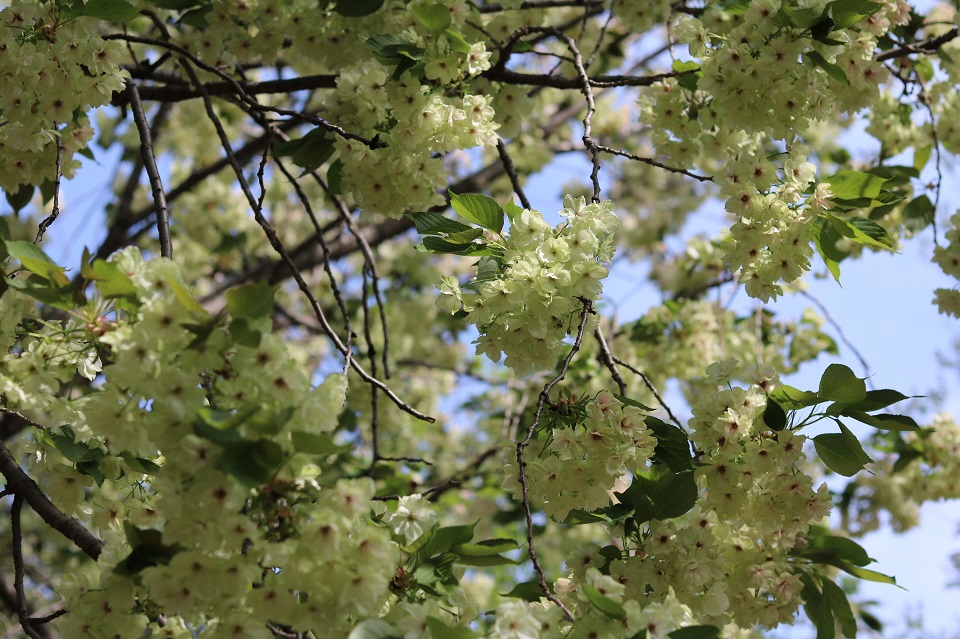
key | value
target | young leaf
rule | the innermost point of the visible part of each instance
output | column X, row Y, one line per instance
column 527, row 590
column 673, row 446
column 479, row 209
column 791, row 398
column 440, row 630
column 884, row 421
column 834, row 596
column 774, row 416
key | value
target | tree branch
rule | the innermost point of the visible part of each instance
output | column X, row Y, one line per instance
column 23, row 486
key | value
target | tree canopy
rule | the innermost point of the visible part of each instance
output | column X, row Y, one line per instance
column 326, row 368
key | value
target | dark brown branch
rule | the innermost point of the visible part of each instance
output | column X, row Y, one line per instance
column 507, row 76
column 153, row 173
column 176, row 89
column 547, row 4
column 55, row 211
column 652, row 162
column 25, row 487
column 23, row 614
column 929, row 45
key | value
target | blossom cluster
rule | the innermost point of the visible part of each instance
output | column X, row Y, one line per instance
column 52, row 70
column 582, row 461
column 948, row 259
column 549, row 274
column 208, row 433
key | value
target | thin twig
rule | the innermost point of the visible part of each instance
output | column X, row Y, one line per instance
column 150, row 164
column 17, row 550
column 542, row 400
column 653, row 389
column 55, row 211
column 512, row 173
column 929, row 45
column 606, row 357
column 282, row 251
column 651, row 162
column 20, row 415
column 839, row 329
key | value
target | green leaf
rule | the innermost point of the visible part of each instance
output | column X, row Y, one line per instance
column 434, row 16
column 321, row 444
column 863, row 573
column 791, row 398
column 63, row 441
column 855, row 184
column 251, row 301
column 374, row 629
column 604, row 604
column 479, row 209
column 696, row 632
column 110, row 280
column 244, row 334
column 774, row 416
column 918, row 213
column 308, row 152
column 874, row 400
column 825, row 239
column 675, row 494
column 526, row 590
column 109, row 10
column 841, row 452
column 839, row 384
column 335, row 177
column 436, row 244
column 456, row 41
column 828, row 549
column 884, row 421
column 251, row 463
column 579, row 517
column 831, row 69
column 691, row 74
column 834, row 596
column 632, row 402
column 488, row 269
column 357, row 9
column 847, row 13
column 140, row 464
column 486, row 548
column 673, row 446
column 440, row 630
column 921, row 156
column 21, row 198
column 444, row 539
column 864, row 231
column 36, row 261
column 429, row 223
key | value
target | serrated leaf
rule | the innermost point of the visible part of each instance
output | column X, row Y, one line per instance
column 846, row 13
column 632, row 402
column 479, row 209
column 874, row 400
column 36, row 261
column 838, row 383
column 604, row 604
column 442, row 540
column 837, row 600
column 830, row 68
column 673, row 446
column 884, row 421
column 674, row 494
column 109, row 10
column 863, row 573
column 430, row 223
column 486, row 548
column 855, row 184
column 841, row 452
column 868, row 232
column 793, row 398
